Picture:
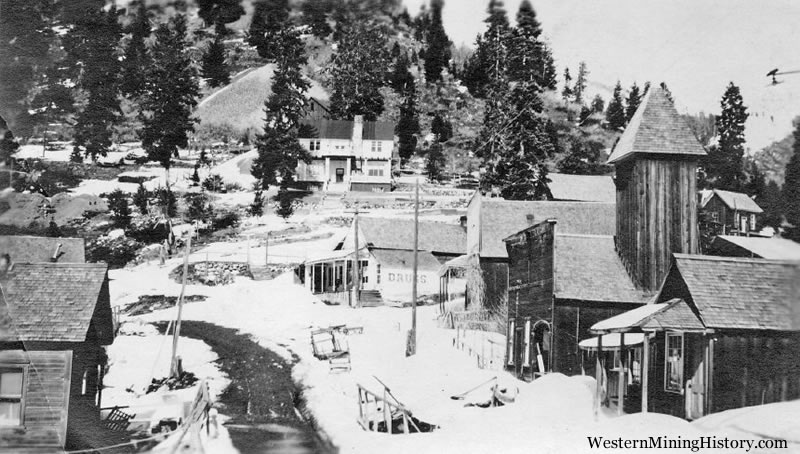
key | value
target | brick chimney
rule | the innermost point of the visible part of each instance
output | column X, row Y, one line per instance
column 358, row 133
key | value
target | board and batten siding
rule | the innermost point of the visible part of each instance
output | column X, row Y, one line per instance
column 656, row 215
column 45, row 399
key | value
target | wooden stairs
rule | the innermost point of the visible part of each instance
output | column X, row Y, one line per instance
column 371, row 298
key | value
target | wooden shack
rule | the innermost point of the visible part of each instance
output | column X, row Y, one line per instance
column 655, row 162
column 729, row 213
column 55, row 320
column 722, row 333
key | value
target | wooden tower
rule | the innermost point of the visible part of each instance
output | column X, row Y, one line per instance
column 656, row 166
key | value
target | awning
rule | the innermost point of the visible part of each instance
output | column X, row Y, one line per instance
column 332, row 256
column 611, row 341
column 462, row 261
column 627, row 320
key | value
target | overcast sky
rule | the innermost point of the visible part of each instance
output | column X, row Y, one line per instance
column 696, row 46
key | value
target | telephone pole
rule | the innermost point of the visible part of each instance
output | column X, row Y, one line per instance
column 412, row 341
column 356, row 263
column 175, row 372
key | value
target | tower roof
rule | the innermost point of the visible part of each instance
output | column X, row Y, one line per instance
column 656, row 128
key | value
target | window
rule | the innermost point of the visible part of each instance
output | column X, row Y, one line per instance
column 753, row 222
column 743, row 223
column 378, row 275
column 375, row 172
column 314, row 145
column 363, row 268
column 376, row 146
column 12, row 381
column 673, row 368
column 714, row 216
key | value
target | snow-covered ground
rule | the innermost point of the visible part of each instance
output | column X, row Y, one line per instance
column 552, row 414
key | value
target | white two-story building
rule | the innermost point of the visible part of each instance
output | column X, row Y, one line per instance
column 348, row 155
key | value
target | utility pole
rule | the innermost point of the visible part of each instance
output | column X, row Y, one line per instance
column 412, row 341
column 356, row 267
column 174, row 364
column 266, row 250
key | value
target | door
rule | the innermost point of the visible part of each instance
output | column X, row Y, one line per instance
column 696, row 385
column 339, row 175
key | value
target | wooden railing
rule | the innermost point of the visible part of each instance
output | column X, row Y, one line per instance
column 374, row 410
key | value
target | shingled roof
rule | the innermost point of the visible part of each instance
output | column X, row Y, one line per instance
column 34, row 249
column 755, row 246
column 656, row 128
column 738, row 293
column 734, row 201
column 588, row 268
column 501, row 218
column 393, row 258
column 582, row 188
column 343, row 130
column 55, row 302
column 390, row 233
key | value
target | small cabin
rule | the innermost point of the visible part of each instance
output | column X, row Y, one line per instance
column 729, row 213
column 722, row 333
column 55, row 321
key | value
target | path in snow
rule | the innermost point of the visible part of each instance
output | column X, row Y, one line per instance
column 261, row 399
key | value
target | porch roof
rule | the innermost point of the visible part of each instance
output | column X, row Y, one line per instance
column 331, row 256
column 627, row 321
column 460, row 262
column 611, row 341
column 672, row 315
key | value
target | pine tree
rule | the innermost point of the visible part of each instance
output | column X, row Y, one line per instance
column 407, row 126
column 220, row 11
column 215, row 69
column 135, row 51
column 120, row 210
column 615, row 112
column 270, row 18
column 141, row 198
column 8, row 148
column 435, row 162
column 489, row 63
column 580, row 82
column 791, row 187
column 598, row 105
column 315, row 15
column 358, row 72
column 401, row 77
column 279, row 150
column 257, row 206
column 441, row 128
column 634, row 99
column 567, row 93
column 285, row 208
column 92, row 45
column 170, row 93
column 514, row 142
column 725, row 168
column 437, row 44
column 756, row 181
column 771, row 202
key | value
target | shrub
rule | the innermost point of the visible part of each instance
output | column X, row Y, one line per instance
column 116, row 252
column 225, row 220
column 197, row 206
column 120, row 210
column 213, row 183
column 148, row 230
column 167, row 202
column 257, row 207
column 141, row 198
column 285, row 208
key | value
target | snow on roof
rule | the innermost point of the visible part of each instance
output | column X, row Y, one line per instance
column 765, row 248
column 583, row 188
column 611, row 341
column 627, row 319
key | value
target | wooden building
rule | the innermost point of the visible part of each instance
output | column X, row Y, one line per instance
column 655, row 162
column 491, row 220
column 729, row 213
column 55, row 320
column 559, row 285
column 722, row 333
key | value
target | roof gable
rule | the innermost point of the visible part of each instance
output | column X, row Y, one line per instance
column 737, row 201
column 739, row 293
column 588, row 268
column 390, row 233
column 656, row 128
column 54, row 302
column 34, row 249
column 501, row 218
column 343, row 130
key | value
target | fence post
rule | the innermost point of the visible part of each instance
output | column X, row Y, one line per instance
column 387, row 415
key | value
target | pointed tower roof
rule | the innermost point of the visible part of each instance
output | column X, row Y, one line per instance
column 656, row 128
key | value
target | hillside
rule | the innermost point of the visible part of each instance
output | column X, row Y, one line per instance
column 773, row 158
column 237, row 108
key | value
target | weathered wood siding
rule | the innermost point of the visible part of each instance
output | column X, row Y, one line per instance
column 495, row 284
column 46, row 400
column 754, row 368
column 530, row 273
column 656, row 215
